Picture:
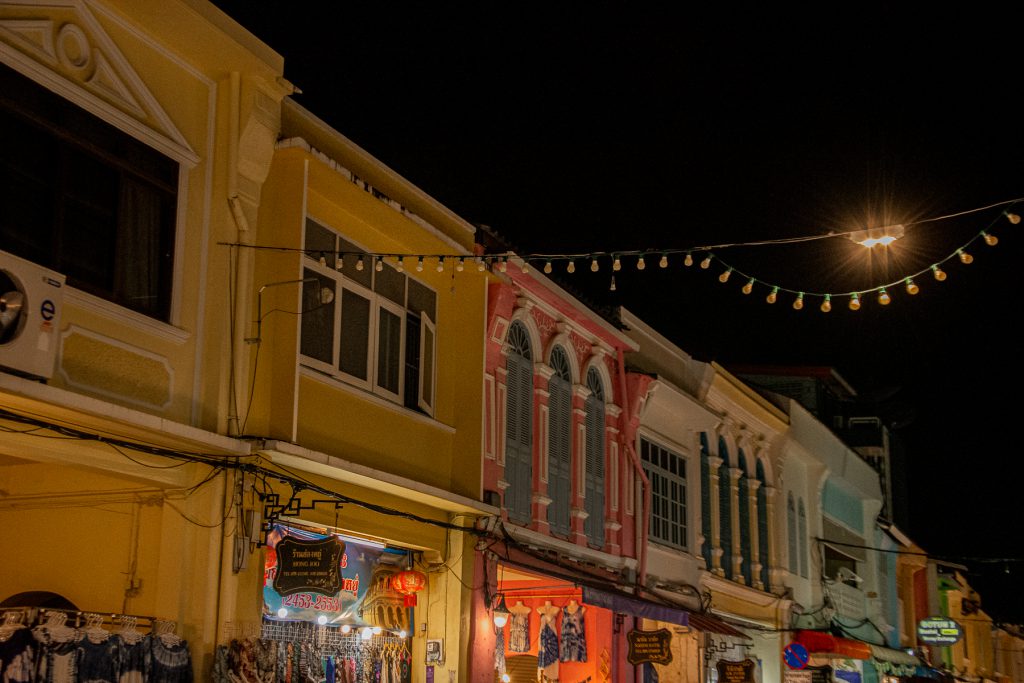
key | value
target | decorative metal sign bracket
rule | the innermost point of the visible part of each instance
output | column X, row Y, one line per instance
column 273, row 509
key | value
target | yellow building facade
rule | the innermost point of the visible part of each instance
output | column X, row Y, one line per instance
column 179, row 263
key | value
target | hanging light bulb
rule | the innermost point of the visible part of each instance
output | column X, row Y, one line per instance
column 826, row 305
column 616, row 264
column 724, row 277
column 688, row 261
column 571, row 268
column 339, row 261
column 504, row 265
column 911, row 287
column 965, row 258
column 440, row 264
column 990, row 240
column 480, row 264
column 612, row 287
column 359, row 263
column 772, row 295
column 749, row 287
column 939, row 274
column 547, row 266
column 379, row 264
column 798, row 302
column 593, row 265
column 640, row 265
column 400, row 264
column 323, row 259
column 663, row 263
column 854, row 302
column 461, row 265
column 419, row 265
column 1012, row 217
column 706, row 263
column 883, row 297
column 525, row 267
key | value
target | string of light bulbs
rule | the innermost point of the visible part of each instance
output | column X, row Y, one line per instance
column 546, row 262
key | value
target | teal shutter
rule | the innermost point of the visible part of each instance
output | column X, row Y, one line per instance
column 595, row 479
column 744, row 511
column 559, row 442
column 705, row 499
column 519, row 426
column 725, row 508
column 762, row 526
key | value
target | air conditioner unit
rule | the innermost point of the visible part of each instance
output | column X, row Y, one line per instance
column 30, row 304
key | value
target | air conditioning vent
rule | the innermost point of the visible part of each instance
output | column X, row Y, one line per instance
column 31, row 298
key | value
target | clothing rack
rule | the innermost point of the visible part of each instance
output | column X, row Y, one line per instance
column 325, row 636
column 35, row 616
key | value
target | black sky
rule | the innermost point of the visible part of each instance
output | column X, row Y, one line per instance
column 577, row 127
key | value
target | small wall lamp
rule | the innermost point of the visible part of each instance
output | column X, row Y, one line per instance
column 501, row 612
column 326, row 297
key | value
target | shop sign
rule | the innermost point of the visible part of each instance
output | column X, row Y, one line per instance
column 308, row 566
column 939, row 631
column 309, row 576
column 649, row 646
column 735, row 672
column 798, row 676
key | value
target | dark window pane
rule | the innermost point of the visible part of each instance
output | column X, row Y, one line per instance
column 422, row 299
column 389, row 283
column 389, row 348
column 319, row 242
column 355, row 334
column 317, row 320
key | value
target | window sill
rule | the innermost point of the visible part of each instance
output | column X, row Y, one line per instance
column 335, row 383
column 125, row 316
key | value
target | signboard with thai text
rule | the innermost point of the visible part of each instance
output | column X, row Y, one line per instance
column 735, row 672
column 649, row 646
column 321, row 579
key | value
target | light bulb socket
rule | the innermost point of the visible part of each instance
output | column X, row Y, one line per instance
column 939, row 274
column 883, row 297
column 912, row 288
column 798, row 302
column 854, row 302
column 826, row 305
column 772, row 295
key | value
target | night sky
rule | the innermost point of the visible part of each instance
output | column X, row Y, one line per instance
column 581, row 127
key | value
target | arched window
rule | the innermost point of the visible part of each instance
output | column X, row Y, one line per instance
column 725, row 508
column 802, row 538
column 559, row 450
column 791, row 533
column 746, row 548
column 705, row 499
column 595, row 459
column 519, row 424
column 762, row 525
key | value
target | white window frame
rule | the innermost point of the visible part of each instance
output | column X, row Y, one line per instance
column 377, row 302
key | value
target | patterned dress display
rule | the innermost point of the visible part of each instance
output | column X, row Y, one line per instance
column 519, row 632
column 574, row 637
column 547, row 646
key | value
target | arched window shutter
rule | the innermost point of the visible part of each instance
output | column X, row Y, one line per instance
column 519, row 425
column 725, row 508
column 595, row 479
column 791, row 533
column 762, row 525
column 705, row 499
column 559, row 442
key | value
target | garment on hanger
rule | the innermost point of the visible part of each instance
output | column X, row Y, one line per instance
column 57, row 660
column 132, row 653
column 167, row 663
column 18, row 650
column 98, row 661
column 547, row 645
column 499, row 653
column 519, row 629
column 574, row 637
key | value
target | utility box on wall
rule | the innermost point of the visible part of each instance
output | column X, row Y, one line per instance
column 31, row 298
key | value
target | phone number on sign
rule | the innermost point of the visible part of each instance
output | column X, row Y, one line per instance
column 323, row 603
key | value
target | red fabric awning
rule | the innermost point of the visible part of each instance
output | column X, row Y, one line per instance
column 819, row 642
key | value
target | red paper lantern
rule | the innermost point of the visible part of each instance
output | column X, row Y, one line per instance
column 408, row 583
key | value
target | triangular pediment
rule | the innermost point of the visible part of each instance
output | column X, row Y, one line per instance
column 61, row 45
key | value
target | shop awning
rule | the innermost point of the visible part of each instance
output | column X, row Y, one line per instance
column 625, row 603
column 819, row 642
column 888, row 654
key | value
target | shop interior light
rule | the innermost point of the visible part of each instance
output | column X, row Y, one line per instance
column 501, row 612
column 366, row 633
column 346, row 628
column 322, row 619
column 282, row 612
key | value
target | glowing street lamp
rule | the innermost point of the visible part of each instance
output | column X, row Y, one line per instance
column 872, row 236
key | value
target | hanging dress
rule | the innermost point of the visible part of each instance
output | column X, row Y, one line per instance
column 574, row 637
column 519, row 632
column 17, row 655
column 547, row 647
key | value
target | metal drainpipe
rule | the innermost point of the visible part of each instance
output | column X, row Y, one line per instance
column 627, row 438
column 243, row 274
